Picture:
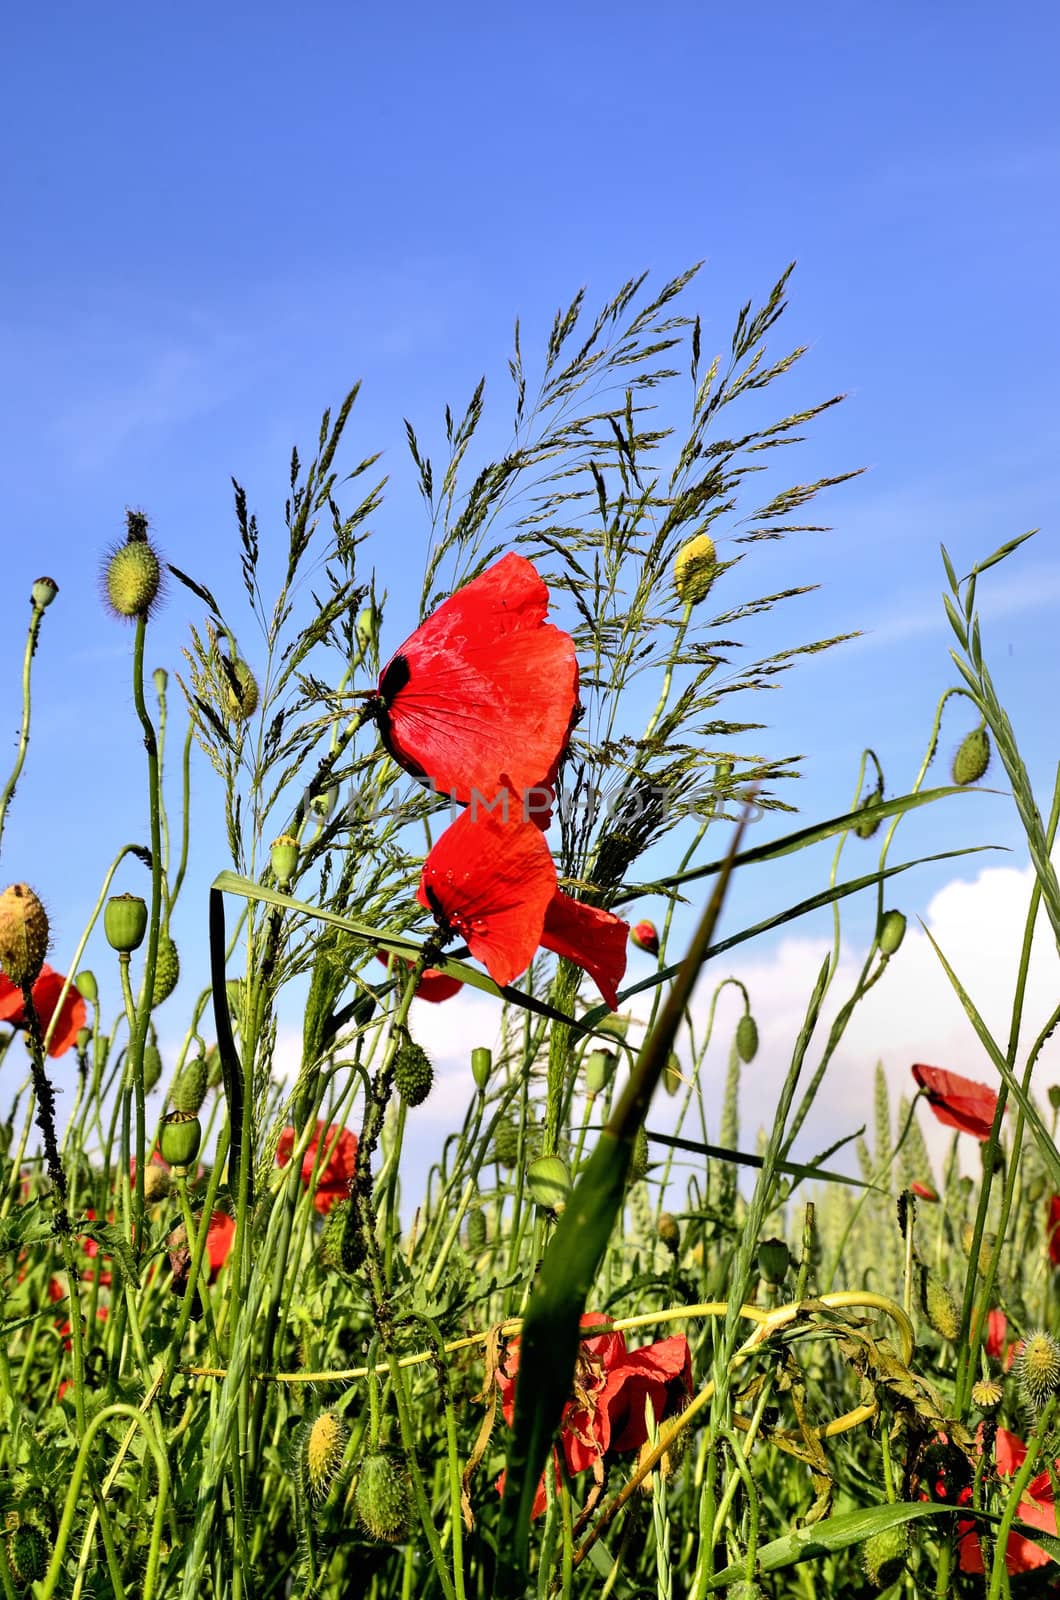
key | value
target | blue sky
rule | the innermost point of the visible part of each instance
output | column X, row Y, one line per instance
column 216, row 218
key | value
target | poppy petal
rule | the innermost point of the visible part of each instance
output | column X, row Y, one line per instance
column 595, row 940
column 46, row 990
column 434, row 985
column 956, row 1101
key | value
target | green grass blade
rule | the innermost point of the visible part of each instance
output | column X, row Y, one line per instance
column 742, row 1158
column 832, row 1535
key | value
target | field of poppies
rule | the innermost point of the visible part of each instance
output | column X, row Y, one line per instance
column 251, row 1348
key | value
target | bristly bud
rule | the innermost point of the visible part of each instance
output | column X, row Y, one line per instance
column 189, row 1090
column 645, row 935
column 23, row 934
column 599, row 1070
column 132, row 573
column 27, row 1554
column 180, row 1138
column 885, row 1555
column 774, row 1258
column 43, row 593
column 747, row 1038
column 549, row 1183
column 152, row 1067
column 506, row 1143
column 695, row 569
column 125, row 922
column 413, row 1073
column 892, row 932
column 638, row 1164
column 325, row 1444
column 669, row 1232
column 342, row 1248
column 167, row 970
column 987, row 1246
column 284, row 858
column 987, row 1395
column 1036, row 1369
column 481, row 1066
column 940, row 1308
column 973, row 757
column 239, row 689
column 382, row 1498
column 476, row 1230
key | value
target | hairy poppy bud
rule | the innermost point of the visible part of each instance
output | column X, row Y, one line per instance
column 167, row 970
column 599, row 1070
column 125, row 922
column 885, row 1555
column 671, row 1076
column 342, row 1248
column 86, row 986
column 865, row 830
column 481, row 1065
column 152, row 1067
column 83, row 1040
column 43, row 593
column 413, row 1073
column 284, row 857
column 506, row 1143
column 23, row 934
column 892, row 932
column 695, row 569
column 638, row 1165
column 189, row 1090
column 382, row 1498
column 132, row 575
column 774, row 1258
column 1036, row 1369
column 645, row 936
column 27, row 1554
column 940, row 1308
column 367, row 627
column 669, row 1232
column 972, row 758
column 549, row 1183
column 239, row 689
column 747, row 1038
column 476, row 1230
column 325, row 1443
column 180, row 1138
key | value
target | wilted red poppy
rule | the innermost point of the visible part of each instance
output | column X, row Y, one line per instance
column 333, row 1179
column 1038, row 1507
column 645, row 936
column 46, row 993
column 1053, row 1230
column 484, row 687
column 611, row 1390
column 434, row 986
column 958, row 1102
column 593, row 939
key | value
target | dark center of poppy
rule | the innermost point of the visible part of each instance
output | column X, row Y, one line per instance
column 396, row 675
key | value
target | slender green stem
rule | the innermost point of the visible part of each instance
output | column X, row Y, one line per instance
column 36, row 613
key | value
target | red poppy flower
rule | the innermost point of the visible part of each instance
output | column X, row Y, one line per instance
column 484, row 686
column 923, row 1191
column 1038, row 1507
column 996, row 1329
column 434, row 986
column 333, row 1179
column 645, row 936
column 490, row 880
column 46, row 993
column 612, row 1387
column 958, row 1102
column 1053, row 1230
column 219, row 1237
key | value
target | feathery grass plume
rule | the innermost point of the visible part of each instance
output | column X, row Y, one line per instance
column 972, row 758
column 882, row 1132
column 1036, row 1369
column 24, row 934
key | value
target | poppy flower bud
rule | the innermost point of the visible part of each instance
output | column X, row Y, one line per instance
column 549, row 1183
column 1053, row 1093
column 476, row 1230
column 325, row 1444
column 892, row 932
column 189, row 1090
column 167, row 970
column 645, row 936
column 599, row 1070
column 695, row 569
column 638, row 1164
column 774, row 1258
column 23, row 934
column 481, row 1066
column 669, row 1232
column 284, row 857
column 180, row 1138
column 160, row 679
column 1036, row 1369
column 885, row 1555
column 972, row 758
column 82, row 1040
column 987, row 1247
column 86, row 986
column 745, row 1589
column 865, row 830
column 381, row 1498
column 152, row 1067
column 132, row 574
column 940, row 1308
column 987, row 1394
column 506, row 1143
column 125, row 922
column 342, row 1248
column 671, row 1076
column 43, row 593
column 367, row 628
column 239, row 689
column 27, row 1554
column 156, row 1184
column 747, row 1038
column 413, row 1073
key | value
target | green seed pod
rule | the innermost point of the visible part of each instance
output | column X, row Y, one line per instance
column 27, row 1553
column 695, row 569
column 885, row 1555
column 891, row 933
column 284, row 858
column 382, row 1498
column 167, row 970
column 1036, row 1369
column 747, row 1038
column 638, row 1166
column 152, row 1067
column 672, row 1080
column 24, row 934
column 125, row 922
column 132, row 573
column 940, row 1308
column 83, row 1040
column 413, row 1073
column 599, row 1070
column 189, row 1089
column 180, row 1138
column 865, row 830
column 972, row 758
column 87, row 987
column 476, row 1230
column 481, row 1066
column 669, row 1232
column 549, row 1183
column 239, row 689
column 506, row 1143
column 43, row 593
column 774, row 1258
column 325, row 1444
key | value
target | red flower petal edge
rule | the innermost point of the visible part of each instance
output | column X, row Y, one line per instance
column 595, row 940
column 333, row 1179
column 46, row 993
column 958, row 1102
column 434, row 986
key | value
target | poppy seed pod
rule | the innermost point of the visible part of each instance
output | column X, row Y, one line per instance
column 865, row 830
column 167, row 970
column 125, row 922
column 132, row 575
column 885, row 1555
column 43, row 593
column 549, row 1183
column 481, row 1065
column 774, row 1258
column 382, row 1498
column 892, row 932
column 180, row 1138
column 695, row 569
column 747, row 1038
column 284, row 858
column 972, row 758
column 23, row 934
column 325, row 1443
column 239, row 689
